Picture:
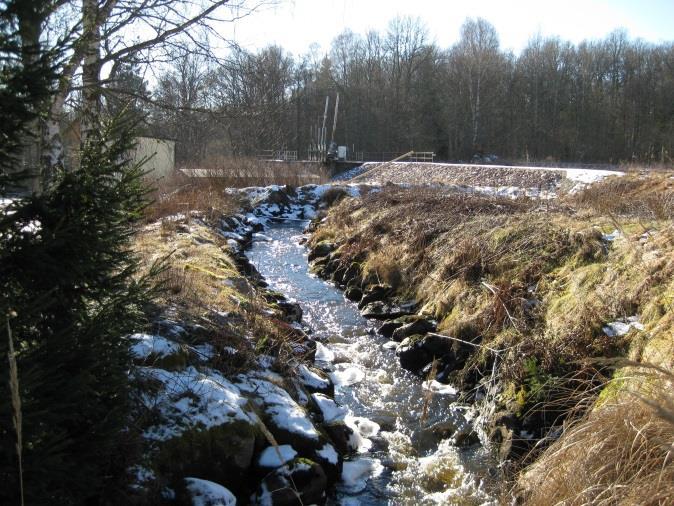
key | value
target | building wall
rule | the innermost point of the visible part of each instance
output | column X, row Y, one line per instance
column 160, row 155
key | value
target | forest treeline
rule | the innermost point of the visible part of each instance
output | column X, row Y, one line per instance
column 609, row 100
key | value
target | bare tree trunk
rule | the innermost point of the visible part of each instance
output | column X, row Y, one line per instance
column 476, row 113
column 91, row 67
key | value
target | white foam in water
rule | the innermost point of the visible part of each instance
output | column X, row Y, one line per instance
column 347, row 376
column 365, row 426
column 438, row 388
column 356, row 441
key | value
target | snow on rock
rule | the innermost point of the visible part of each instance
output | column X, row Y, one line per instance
column 189, row 398
column 276, row 456
column 147, row 344
column 207, row 493
column 355, row 474
column 257, row 236
column 311, row 379
column 621, row 327
column 323, row 353
column 328, row 453
column 285, row 413
column 329, row 409
column 357, row 441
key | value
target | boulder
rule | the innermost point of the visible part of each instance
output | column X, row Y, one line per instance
column 438, row 345
column 353, row 293
column 207, row 493
column 384, row 311
column 338, row 275
column 412, row 355
column 418, row 326
column 342, row 436
column 223, row 454
column 373, row 294
column 292, row 312
column 322, row 249
column 298, row 483
column 352, row 273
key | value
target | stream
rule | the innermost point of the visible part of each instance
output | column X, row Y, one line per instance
column 410, row 459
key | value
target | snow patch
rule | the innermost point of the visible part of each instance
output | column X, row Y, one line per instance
column 622, row 327
column 329, row 453
column 189, row 398
column 146, row 345
column 207, row 493
column 276, row 456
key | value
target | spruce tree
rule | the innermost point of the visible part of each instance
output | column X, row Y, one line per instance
column 69, row 294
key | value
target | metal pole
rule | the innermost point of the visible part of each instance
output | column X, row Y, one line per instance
column 323, row 132
column 334, row 121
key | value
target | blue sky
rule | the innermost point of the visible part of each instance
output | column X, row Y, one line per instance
column 295, row 24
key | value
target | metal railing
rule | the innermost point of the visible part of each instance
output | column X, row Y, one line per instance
column 277, row 154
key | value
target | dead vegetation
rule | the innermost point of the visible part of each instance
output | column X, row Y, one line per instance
column 535, row 284
column 619, row 453
column 181, row 195
column 202, row 282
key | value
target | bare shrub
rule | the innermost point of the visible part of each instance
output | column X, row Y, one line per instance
column 179, row 194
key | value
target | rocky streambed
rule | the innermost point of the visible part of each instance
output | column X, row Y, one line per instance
column 323, row 414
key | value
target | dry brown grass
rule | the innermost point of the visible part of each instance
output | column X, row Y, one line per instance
column 644, row 195
column 179, row 194
column 619, row 453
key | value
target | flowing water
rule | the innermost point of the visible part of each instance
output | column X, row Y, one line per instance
column 405, row 457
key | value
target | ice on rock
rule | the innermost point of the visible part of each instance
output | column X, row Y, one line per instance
column 438, row 388
column 355, row 474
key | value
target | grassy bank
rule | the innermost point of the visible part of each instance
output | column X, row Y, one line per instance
column 554, row 296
